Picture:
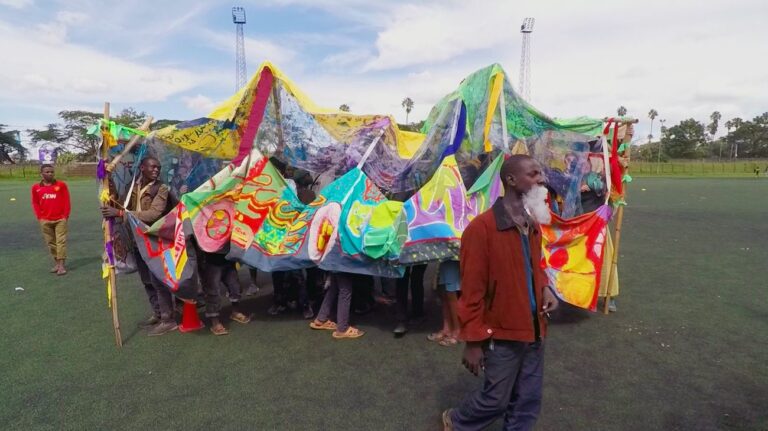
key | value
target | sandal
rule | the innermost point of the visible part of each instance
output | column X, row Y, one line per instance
column 240, row 317
column 351, row 332
column 448, row 341
column 436, row 336
column 329, row 325
column 219, row 329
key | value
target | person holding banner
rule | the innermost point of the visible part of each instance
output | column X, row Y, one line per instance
column 148, row 202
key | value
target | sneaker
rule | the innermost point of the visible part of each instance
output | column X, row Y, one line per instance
column 612, row 305
column 162, row 328
column 152, row 321
column 400, row 329
column 308, row 312
column 251, row 290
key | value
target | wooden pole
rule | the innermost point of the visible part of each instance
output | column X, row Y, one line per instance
column 129, row 146
column 108, row 236
column 619, row 221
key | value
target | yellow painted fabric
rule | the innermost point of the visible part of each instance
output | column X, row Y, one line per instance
column 493, row 103
column 214, row 139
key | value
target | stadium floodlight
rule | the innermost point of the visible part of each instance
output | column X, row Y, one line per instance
column 238, row 15
column 527, row 26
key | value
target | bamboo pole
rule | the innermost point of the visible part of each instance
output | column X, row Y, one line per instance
column 129, row 146
column 108, row 237
column 619, row 221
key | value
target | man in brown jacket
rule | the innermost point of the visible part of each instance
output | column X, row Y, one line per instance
column 148, row 203
column 504, row 303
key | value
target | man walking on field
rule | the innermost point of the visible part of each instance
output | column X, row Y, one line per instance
column 50, row 201
column 504, row 303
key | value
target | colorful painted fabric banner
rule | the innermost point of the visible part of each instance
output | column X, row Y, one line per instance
column 438, row 214
column 573, row 255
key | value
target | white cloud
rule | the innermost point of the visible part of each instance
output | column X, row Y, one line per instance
column 16, row 4
column 199, row 104
column 47, row 70
column 352, row 57
column 256, row 50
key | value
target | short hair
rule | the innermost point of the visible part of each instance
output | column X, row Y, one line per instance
column 45, row 165
column 145, row 159
column 512, row 164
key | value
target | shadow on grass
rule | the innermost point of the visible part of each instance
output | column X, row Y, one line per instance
column 82, row 261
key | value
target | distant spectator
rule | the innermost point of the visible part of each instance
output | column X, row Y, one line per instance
column 50, row 200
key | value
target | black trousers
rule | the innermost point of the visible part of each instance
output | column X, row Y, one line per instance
column 413, row 279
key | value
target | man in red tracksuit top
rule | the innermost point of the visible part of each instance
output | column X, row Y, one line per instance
column 504, row 303
column 50, row 201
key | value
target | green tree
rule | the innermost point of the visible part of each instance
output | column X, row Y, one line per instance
column 408, row 105
column 160, row 124
column 686, row 140
column 344, row 107
column 750, row 138
column 70, row 134
column 9, row 144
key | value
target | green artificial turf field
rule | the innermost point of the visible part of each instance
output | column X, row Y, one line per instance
column 687, row 350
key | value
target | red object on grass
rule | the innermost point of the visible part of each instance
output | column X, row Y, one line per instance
column 190, row 321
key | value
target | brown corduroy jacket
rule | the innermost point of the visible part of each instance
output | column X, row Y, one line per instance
column 495, row 301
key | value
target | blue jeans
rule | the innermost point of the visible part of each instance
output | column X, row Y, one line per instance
column 514, row 372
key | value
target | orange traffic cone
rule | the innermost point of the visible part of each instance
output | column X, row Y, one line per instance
column 190, row 321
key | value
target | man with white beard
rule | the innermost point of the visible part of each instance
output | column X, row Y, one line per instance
column 505, row 298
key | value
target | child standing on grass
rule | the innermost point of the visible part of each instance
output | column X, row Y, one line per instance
column 50, row 201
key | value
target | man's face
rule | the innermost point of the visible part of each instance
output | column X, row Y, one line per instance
column 529, row 174
column 150, row 169
column 47, row 174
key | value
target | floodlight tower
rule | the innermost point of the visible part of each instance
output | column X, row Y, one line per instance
column 525, row 59
column 238, row 17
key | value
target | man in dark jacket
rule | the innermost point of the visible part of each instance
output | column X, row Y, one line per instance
column 504, row 302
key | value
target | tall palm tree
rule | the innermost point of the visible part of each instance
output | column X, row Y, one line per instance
column 728, row 126
column 736, row 123
column 652, row 114
column 344, row 107
column 408, row 105
column 622, row 111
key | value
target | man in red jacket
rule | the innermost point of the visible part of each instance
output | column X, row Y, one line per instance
column 504, row 303
column 50, row 200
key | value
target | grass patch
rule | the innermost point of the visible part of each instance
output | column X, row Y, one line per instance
column 686, row 351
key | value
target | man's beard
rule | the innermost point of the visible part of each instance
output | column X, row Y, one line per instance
column 535, row 201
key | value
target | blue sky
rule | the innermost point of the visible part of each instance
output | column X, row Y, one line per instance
column 175, row 59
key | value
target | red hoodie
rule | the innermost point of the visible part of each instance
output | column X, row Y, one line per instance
column 50, row 202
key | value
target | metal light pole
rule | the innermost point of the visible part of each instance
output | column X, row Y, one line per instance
column 241, row 75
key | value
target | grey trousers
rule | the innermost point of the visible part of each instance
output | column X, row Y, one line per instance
column 159, row 295
column 339, row 294
column 514, row 372
column 216, row 271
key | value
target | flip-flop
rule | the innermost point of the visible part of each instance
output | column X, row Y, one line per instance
column 351, row 332
column 448, row 342
column 436, row 336
column 240, row 318
column 220, row 330
column 328, row 325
